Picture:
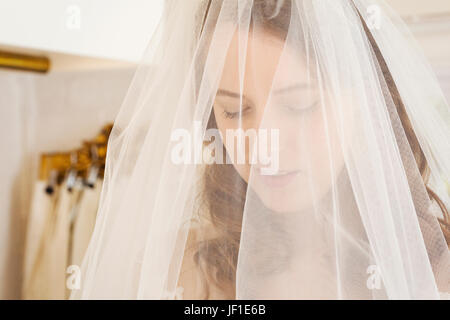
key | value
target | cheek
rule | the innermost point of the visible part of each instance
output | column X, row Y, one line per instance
column 326, row 150
column 243, row 170
column 223, row 125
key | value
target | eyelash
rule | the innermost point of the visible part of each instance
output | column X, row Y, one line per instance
column 234, row 115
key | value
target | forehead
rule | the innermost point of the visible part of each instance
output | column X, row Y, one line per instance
column 260, row 61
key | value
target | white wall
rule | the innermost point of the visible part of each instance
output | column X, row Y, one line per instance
column 419, row 7
column 113, row 29
column 44, row 113
column 121, row 29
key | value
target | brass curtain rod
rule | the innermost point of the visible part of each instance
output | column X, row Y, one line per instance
column 24, row 62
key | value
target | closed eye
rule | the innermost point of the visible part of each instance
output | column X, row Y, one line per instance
column 237, row 114
column 303, row 109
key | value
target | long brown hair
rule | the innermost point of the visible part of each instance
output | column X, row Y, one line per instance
column 224, row 191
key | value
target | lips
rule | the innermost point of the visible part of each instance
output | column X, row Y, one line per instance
column 281, row 179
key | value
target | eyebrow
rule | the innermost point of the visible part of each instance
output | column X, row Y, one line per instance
column 222, row 92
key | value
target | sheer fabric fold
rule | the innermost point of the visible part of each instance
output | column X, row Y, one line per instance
column 295, row 149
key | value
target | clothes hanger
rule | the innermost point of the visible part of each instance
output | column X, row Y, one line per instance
column 87, row 162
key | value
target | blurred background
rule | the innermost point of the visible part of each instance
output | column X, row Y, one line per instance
column 65, row 67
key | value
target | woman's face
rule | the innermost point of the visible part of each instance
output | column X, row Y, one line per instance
column 273, row 91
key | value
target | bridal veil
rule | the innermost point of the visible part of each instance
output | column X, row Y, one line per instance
column 276, row 149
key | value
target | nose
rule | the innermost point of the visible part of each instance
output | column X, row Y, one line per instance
column 291, row 135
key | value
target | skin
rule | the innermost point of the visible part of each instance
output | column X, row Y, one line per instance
column 274, row 93
column 279, row 94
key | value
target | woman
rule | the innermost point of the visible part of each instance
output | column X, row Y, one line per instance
column 322, row 172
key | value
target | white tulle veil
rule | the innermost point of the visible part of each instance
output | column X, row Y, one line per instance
column 295, row 149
